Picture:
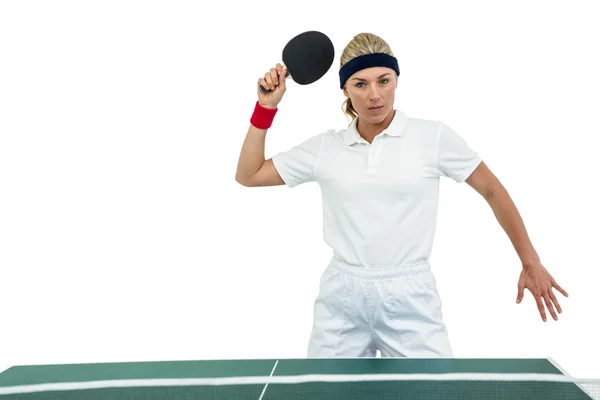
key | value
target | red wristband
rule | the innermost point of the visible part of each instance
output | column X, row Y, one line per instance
column 262, row 118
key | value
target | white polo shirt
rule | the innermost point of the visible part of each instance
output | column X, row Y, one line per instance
column 380, row 200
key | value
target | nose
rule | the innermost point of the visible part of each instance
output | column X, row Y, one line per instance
column 374, row 93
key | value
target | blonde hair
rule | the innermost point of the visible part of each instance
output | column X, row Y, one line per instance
column 361, row 44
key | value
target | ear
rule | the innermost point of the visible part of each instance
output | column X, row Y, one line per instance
column 345, row 91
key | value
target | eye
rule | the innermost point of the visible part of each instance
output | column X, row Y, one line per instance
column 358, row 84
column 384, row 81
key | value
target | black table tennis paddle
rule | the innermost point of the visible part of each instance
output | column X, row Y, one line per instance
column 307, row 57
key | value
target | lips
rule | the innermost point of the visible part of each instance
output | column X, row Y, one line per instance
column 375, row 108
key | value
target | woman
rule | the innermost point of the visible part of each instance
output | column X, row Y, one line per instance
column 379, row 180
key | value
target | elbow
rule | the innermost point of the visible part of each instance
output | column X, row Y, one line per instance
column 494, row 192
column 488, row 195
column 242, row 181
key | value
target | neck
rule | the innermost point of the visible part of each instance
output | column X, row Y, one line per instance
column 369, row 130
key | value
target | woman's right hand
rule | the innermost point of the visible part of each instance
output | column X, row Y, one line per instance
column 274, row 80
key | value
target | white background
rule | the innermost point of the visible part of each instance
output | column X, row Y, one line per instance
column 124, row 236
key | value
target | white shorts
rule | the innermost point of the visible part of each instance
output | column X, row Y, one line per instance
column 396, row 311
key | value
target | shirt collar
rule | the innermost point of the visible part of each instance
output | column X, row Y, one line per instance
column 396, row 128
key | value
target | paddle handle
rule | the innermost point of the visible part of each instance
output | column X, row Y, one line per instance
column 264, row 90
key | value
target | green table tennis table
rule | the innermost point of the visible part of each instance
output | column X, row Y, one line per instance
column 332, row 379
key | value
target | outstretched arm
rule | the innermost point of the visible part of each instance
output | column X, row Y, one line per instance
column 534, row 276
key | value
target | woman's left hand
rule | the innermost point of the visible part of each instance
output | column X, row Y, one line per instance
column 540, row 283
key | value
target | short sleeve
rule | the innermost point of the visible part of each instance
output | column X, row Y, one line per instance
column 297, row 165
column 454, row 157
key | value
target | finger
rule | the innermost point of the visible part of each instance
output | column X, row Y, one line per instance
column 282, row 79
column 269, row 81
column 540, row 306
column 549, row 306
column 521, row 291
column 274, row 76
column 561, row 290
column 555, row 301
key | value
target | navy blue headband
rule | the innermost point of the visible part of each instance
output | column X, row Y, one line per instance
column 367, row 61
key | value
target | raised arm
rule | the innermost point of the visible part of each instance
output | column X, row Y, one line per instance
column 253, row 170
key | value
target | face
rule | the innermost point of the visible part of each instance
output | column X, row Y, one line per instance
column 372, row 92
